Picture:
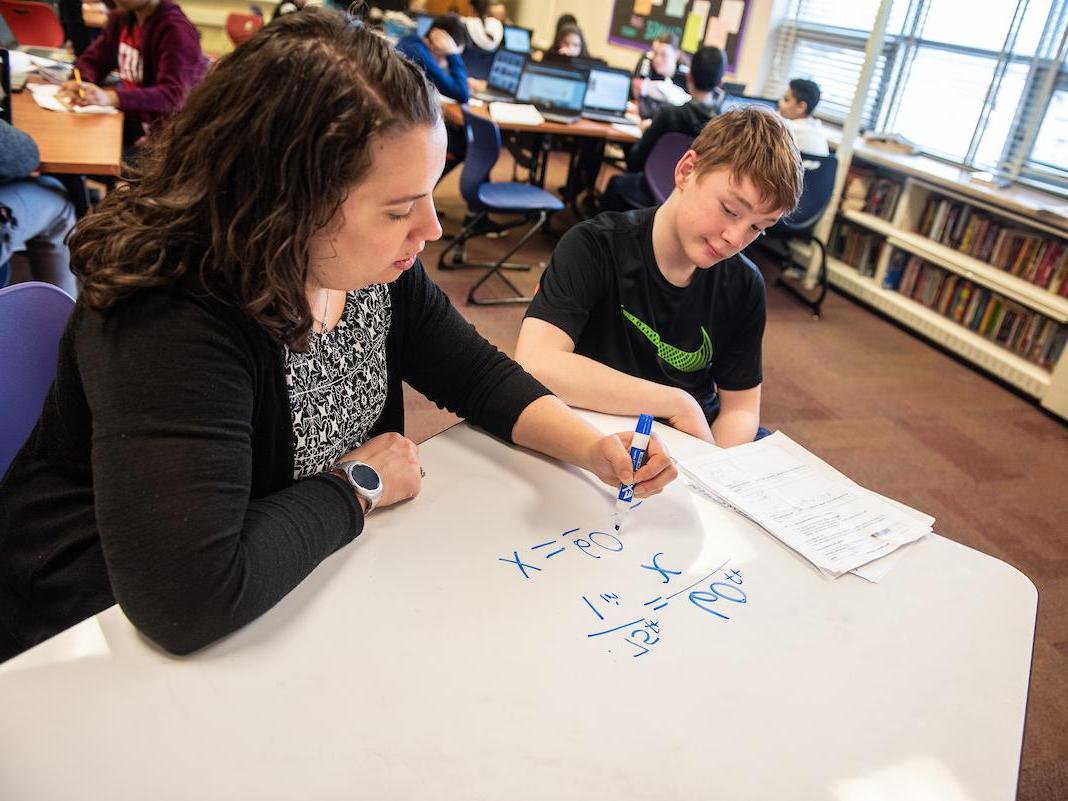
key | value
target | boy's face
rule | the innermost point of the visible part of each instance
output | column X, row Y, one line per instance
column 791, row 108
column 719, row 213
column 665, row 59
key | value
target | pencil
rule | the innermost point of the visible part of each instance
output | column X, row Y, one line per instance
column 78, row 78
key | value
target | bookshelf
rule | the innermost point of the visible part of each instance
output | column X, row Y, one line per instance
column 982, row 273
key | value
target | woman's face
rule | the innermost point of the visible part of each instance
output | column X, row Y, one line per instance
column 387, row 217
column 570, row 45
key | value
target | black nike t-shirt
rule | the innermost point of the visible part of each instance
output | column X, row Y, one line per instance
column 604, row 290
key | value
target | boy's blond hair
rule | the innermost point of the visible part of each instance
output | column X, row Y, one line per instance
column 755, row 143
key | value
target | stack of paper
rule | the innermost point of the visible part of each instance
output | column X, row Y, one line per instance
column 830, row 520
column 515, row 114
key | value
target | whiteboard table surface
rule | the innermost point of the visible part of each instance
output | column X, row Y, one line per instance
column 419, row 663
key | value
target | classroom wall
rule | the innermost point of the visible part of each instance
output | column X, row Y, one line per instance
column 595, row 16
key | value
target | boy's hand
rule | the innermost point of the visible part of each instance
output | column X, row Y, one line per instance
column 443, row 43
column 689, row 418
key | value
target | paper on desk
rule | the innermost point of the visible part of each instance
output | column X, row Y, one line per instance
column 823, row 515
column 515, row 113
column 45, row 95
column 628, row 128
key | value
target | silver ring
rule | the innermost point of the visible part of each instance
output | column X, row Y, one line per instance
column 422, row 473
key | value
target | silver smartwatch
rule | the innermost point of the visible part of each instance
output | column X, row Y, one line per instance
column 363, row 479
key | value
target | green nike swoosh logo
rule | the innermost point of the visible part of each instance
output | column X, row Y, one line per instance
column 685, row 361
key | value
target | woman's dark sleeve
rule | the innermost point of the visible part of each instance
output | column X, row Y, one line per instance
column 190, row 557
column 446, row 359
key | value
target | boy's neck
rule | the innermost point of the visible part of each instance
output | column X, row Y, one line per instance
column 667, row 249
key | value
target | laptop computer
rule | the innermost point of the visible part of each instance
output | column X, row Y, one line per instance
column 607, row 93
column 741, row 101
column 557, row 92
column 423, row 23
column 504, row 74
column 5, row 86
column 517, row 39
column 9, row 42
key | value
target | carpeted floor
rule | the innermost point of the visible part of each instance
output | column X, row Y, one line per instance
column 901, row 418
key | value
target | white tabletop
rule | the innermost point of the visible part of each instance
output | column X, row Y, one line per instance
column 420, row 663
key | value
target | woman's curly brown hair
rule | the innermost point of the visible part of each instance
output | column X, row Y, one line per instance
column 261, row 157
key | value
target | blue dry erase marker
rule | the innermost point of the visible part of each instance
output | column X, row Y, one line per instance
column 637, row 454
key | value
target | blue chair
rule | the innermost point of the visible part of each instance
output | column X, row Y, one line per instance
column 660, row 165
column 32, row 318
column 483, row 197
column 800, row 225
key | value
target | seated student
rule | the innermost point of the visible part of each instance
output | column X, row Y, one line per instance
column 628, row 191
column 35, row 213
column 157, row 52
column 796, row 107
column 662, row 62
column 569, row 42
column 439, row 55
column 239, row 346
column 483, row 30
column 656, row 310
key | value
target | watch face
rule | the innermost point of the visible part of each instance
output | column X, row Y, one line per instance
column 366, row 477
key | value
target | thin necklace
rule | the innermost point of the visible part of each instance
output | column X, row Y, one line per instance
column 322, row 322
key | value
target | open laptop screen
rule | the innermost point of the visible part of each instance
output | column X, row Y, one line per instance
column 552, row 87
column 505, row 72
column 423, row 23
column 608, row 90
column 741, row 101
column 516, row 39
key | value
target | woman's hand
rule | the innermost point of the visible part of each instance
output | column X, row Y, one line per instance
column 396, row 460
column 610, row 462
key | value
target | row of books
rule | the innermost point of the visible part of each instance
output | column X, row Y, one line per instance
column 1039, row 258
column 1023, row 331
column 871, row 193
column 856, row 246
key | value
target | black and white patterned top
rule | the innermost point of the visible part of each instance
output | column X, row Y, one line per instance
column 337, row 388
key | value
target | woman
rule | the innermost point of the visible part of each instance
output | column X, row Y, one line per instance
column 252, row 302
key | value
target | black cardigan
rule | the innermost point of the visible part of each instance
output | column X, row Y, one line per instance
column 160, row 474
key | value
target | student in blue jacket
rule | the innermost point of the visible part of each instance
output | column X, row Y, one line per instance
column 439, row 55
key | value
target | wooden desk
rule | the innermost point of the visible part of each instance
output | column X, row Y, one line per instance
column 581, row 127
column 71, row 144
column 419, row 663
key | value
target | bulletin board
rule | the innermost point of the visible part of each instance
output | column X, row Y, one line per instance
column 719, row 23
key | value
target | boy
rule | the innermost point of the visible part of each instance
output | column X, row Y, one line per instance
column 629, row 191
column 796, row 107
column 439, row 53
column 655, row 310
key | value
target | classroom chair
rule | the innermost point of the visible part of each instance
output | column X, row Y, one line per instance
column 660, row 164
column 33, row 24
column 800, row 225
column 483, row 197
column 32, row 318
column 242, row 27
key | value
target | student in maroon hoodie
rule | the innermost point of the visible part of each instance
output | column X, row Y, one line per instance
column 157, row 52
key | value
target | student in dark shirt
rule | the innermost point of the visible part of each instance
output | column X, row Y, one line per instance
column 662, row 62
column 656, row 310
column 156, row 50
column 629, row 191
column 570, row 42
column 252, row 301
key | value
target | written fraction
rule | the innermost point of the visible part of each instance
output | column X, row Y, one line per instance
column 719, row 593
